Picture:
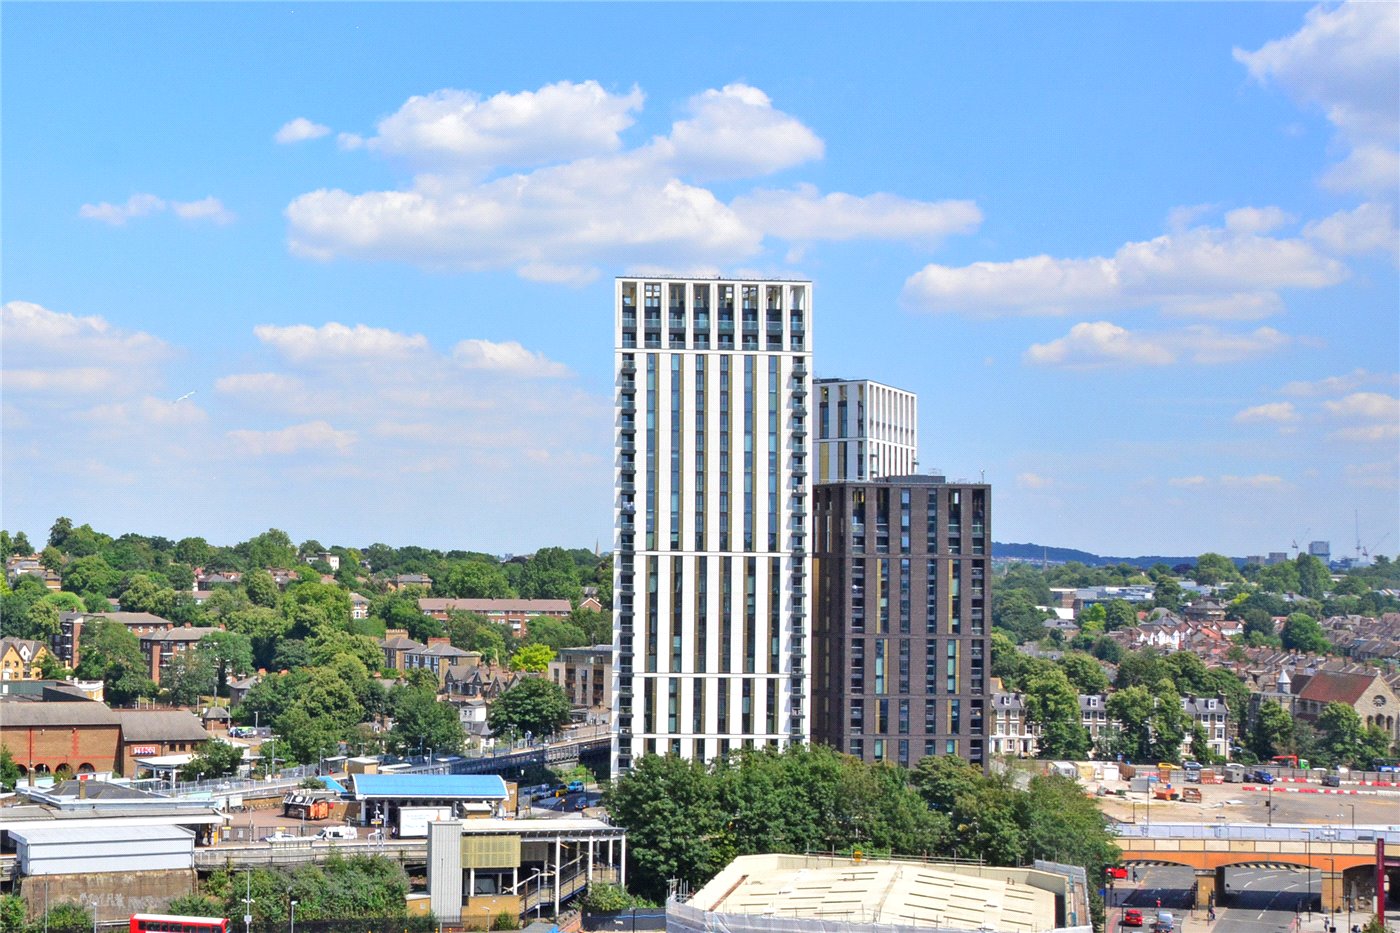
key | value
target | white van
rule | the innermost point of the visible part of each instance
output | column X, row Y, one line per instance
column 338, row 832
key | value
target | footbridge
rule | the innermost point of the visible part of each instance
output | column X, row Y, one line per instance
column 1345, row 858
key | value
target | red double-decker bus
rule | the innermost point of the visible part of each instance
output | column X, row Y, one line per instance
column 170, row 923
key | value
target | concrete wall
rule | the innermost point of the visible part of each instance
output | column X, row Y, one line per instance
column 114, row 896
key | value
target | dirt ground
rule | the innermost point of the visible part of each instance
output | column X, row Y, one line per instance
column 1234, row 804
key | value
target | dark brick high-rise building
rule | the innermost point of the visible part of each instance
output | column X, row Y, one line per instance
column 901, row 655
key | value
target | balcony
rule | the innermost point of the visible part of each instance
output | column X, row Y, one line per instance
column 628, row 487
column 628, row 403
column 629, row 428
column 799, row 370
column 629, row 444
column 799, row 430
column 629, row 367
column 775, row 328
column 799, row 391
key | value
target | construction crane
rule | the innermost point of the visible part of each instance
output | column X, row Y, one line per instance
column 1366, row 553
column 1303, row 537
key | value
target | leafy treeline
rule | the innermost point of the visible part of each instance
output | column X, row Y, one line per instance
column 1252, row 594
column 326, row 687
column 687, row 820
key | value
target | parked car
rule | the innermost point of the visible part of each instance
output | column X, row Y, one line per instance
column 1117, row 871
column 280, row 836
column 576, row 787
column 1263, row 777
column 1132, row 918
column 1331, row 779
column 1193, row 771
column 338, row 832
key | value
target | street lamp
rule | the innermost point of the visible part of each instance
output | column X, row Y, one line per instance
column 294, row 916
column 1307, row 836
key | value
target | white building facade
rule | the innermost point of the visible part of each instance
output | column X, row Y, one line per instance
column 865, row 430
column 711, row 562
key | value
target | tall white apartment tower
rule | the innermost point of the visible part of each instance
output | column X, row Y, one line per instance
column 711, row 566
column 865, row 430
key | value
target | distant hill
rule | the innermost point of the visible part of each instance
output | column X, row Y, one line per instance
column 1063, row 555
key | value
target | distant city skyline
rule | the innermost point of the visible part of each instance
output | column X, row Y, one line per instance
column 346, row 270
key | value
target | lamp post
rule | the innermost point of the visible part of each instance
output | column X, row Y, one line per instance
column 247, row 902
column 1353, row 815
column 1307, row 836
column 293, row 928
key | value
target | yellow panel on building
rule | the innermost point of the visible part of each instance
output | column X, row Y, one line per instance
column 490, row 851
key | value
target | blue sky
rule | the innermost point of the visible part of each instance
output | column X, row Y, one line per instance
column 1139, row 261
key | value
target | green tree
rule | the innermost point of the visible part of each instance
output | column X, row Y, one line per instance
column 1341, row 731
column 942, row 779
column 1280, row 578
column 675, row 827
column 550, row 574
column 9, row 771
column 59, row 532
column 985, row 825
column 1120, row 614
column 227, row 654
column 1302, row 633
column 1016, row 614
column 556, row 633
column 532, row 658
column 263, row 627
column 473, row 580
column 188, row 677
column 1053, row 704
column 91, row 574
column 272, row 548
column 1213, row 569
column 420, row 721
column 596, row 626
column 1258, row 627
column 1085, row 674
column 261, row 588
column 13, row 912
column 534, row 705
column 213, row 759
column 143, row 593
column 112, row 654
column 316, row 608
column 1167, row 594
column 1314, row 579
column 65, row 918
column 1152, row 721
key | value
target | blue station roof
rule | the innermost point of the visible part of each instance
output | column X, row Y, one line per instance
column 430, row 786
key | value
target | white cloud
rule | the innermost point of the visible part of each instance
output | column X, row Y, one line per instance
column 1379, row 412
column 313, row 435
column 1384, row 474
column 1098, row 344
column 146, row 411
column 508, row 357
column 36, row 330
column 1257, row 481
column 460, row 130
column 735, row 132
column 349, row 141
column 211, row 209
column 1366, row 405
column 303, row 343
column 300, row 130
column 144, row 205
column 541, row 182
column 1367, row 228
column 138, row 205
column 1271, row 412
column 1232, row 272
column 1188, row 482
column 1033, row 481
column 1337, row 385
column 1366, row 168
column 70, row 381
column 258, row 384
column 803, row 214
column 1344, row 60
column 1257, row 219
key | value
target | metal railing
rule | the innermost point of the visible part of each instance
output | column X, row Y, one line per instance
column 1316, row 833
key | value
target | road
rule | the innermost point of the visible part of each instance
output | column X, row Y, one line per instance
column 1259, row 900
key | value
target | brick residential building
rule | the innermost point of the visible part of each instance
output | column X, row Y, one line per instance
column 66, row 645
column 160, row 648
column 516, row 613
column 901, row 658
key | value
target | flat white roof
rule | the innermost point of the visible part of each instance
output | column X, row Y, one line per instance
column 92, row 834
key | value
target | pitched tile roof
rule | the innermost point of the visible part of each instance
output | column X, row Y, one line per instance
column 1333, row 687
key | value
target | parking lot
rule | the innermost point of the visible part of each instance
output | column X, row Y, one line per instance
column 1249, row 803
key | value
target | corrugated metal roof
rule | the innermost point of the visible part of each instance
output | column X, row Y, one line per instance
column 88, row 834
column 437, row 786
